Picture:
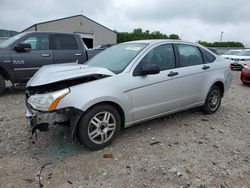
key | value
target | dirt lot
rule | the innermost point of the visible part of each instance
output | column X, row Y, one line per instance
column 187, row 149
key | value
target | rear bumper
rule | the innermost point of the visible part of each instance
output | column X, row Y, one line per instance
column 245, row 76
column 236, row 66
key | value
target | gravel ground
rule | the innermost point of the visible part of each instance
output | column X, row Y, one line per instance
column 187, row 149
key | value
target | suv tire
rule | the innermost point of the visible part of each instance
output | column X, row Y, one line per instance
column 2, row 84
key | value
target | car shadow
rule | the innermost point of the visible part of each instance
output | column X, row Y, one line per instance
column 13, row 90
column 57, row 142
column 246, row 85
column 154, row 123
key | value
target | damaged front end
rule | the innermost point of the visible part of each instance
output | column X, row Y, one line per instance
column 42, row 120
column 42, row 101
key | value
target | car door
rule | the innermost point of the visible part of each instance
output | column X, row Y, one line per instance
column 193, row 73
column 66, row 49
column 26, row 63
column 156, row 94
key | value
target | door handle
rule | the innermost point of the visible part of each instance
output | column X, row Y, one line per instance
column 205, row 67
column 45, row 55
column 171, row 73
column 78, row 54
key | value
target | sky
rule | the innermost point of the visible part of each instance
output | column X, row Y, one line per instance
column 192, row 20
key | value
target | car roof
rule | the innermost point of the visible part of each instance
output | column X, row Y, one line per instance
column 156, row 41
column 47, row 32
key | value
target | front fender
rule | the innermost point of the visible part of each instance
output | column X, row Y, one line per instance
column 86, row 95
column 95, row 101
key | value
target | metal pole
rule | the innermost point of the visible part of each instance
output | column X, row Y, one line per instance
column 221, row 35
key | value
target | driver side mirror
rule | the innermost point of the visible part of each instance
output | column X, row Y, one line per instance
column 147, row 69
column 23, row 47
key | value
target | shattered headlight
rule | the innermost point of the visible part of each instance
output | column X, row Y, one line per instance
column 48, row 101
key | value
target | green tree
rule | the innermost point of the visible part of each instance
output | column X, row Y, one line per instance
column 221, row 44
column 139, row 34
column 174, row 36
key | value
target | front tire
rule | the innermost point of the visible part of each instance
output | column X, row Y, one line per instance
column 99, row 126
column 2, row 84
column 213, row 100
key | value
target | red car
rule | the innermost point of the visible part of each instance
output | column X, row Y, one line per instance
column 245, row 74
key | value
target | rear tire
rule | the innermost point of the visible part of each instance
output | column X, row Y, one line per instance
column 99, row 126
column 213, row 100
column 244, row 83
column 2, row 84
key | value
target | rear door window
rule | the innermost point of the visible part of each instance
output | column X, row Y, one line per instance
column 189, row 55
column 208, row 57
column 64, row 42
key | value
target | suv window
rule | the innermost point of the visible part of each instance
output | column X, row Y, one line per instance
column 209, row 58
column 189, row 55
column 65, row 42
column 38, row 42
column 161, row 55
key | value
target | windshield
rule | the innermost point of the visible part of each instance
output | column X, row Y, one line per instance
column 244, row 53
column 9, row 41
column 117, row 58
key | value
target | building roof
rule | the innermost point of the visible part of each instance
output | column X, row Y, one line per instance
column 67, row 18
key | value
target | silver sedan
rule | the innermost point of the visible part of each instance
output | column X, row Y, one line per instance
column 126, row 84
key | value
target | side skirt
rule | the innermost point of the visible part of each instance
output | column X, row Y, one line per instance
column 163, row 114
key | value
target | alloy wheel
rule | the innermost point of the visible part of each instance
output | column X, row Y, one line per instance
column 102, row 127
column 214, row 100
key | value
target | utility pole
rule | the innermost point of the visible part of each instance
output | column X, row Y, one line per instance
column 221, row 34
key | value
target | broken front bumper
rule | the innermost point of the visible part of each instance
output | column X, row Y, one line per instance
column 36, row 117
column 42, row 120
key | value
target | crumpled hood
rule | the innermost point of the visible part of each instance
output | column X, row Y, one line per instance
column 59, row 72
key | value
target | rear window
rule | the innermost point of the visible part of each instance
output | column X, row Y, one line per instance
column 65, row 42
column 208, row 57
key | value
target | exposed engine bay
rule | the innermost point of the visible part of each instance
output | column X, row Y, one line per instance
column 40, row 120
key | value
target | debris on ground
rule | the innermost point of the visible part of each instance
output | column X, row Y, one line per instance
column 69, row 182
column 39, row 177
column 156, row 142
column 108, row 156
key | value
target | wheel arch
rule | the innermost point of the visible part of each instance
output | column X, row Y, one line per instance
column 5, row 74
column 112, row 103
column 221, row 85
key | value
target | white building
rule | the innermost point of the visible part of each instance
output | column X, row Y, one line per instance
column 92, row 33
